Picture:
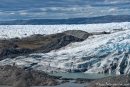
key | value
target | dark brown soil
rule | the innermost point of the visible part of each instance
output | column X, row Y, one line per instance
column 33, row 41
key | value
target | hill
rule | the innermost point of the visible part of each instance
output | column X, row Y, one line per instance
column 84, row 20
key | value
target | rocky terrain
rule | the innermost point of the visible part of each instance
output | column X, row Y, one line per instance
column 17, row 77
column 118, row 81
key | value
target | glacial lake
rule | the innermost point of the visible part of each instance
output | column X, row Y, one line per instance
column 82, row 75
column 75, row 75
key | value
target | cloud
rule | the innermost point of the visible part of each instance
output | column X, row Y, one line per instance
column 22, row 12
column 42, row 9
column 1, row 13
column 12, row 13
column 116, row 1
column 28, row 9
column 112, row 9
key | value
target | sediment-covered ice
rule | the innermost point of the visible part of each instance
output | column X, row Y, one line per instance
column 12, row 31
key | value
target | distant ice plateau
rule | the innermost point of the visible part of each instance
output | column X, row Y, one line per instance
column 12, row 31
column 107, row 53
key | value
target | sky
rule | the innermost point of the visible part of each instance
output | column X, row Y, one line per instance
column 61, row 9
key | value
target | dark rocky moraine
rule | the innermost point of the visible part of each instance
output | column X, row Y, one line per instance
column 17, row 77
column 112, row 81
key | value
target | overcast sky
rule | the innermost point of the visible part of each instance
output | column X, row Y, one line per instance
column 51, row 9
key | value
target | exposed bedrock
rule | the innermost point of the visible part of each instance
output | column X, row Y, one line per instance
column 17, row 77
column 116, row 81
column 77, row 33
column 56, row 44
column 11, row 53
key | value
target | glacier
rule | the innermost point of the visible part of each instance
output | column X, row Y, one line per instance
column 107, row 53
column 13, row 31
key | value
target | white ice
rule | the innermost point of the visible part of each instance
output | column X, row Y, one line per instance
column 12, row 31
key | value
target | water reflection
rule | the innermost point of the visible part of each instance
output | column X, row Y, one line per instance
column 82, row 75
column 65, row 85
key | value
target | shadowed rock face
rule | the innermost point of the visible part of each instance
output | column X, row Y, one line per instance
column 99, row 33
column 56, row 44
column 17, row 77
column 118, row 81
column 11, row 52
column 4, row 44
